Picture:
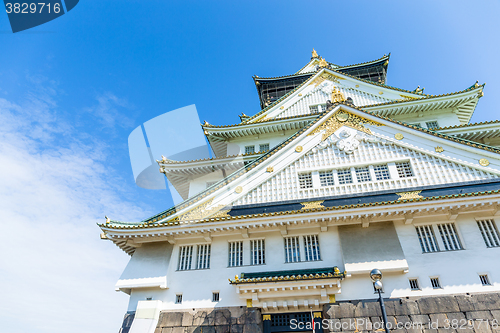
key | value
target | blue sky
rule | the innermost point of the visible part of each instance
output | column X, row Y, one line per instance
column 72, row 90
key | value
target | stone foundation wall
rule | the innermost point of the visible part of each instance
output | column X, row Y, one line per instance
column 478, row 313
column 220, row 320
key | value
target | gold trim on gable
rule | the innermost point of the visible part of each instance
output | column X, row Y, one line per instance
column 202, row 212
column 344, row 118
column 312, row 204
column 409, row 195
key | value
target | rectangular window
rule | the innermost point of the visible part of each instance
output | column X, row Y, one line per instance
column 258, row 250
column 215, row 296
column 404, row 169
column 435, row 283
column 305, row 180
column 185, row 257
column 235, row 254
column 249, row 149
column 178, row 299
column 449, row 236
column 382, row 172
column 427, row 239
column 414, row 284
column 326, row 178
column 489, row 232
column 363, row 174
column 313, row 109
column 432, row 124
column 311, row 247
column 292, row 251
column 203, row 256
column 264, row 147
column 485, row 281
column 345, row 176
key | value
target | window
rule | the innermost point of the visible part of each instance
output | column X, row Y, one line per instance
column 235, row 254
column 311, row 247
column 489, row 232
column 215, row 296
column 432, row 124
column 416, row 124
column 249, row 149
column 264, row 147
column 414, row 284
column 382, row 172
column 203, row 256
column 185, row 257
column 404, row 169
column 435, row 283
column 363, row 174
column 326, row 178
column 485, row 281
column 305, row 180
column 178, row 299
column 427, row 239
column 258, row 250
column 210, row 183
column 449, row 236
column 345, row 176
column 317, row 108
column 292, row 252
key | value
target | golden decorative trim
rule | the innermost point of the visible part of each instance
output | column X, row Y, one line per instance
column 323, row 63
column 249, row 304
column 381, row 92
column 270, row 169
column 357, row 86
column 337, row 96
column 409, row 195
column 439, row 149
column 484, row 162
column 316, row 314
column 238, row 189
column 300, row 95
column 398, row 136
column 409, row 97
column 331, row 298
column 336, row 121
column 314, row 53
column 298, row 149
column 312, row 204
column 282, row 107
column 266, row 317
column 202, row 212
column 325, row 76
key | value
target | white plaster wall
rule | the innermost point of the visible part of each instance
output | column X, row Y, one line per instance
column 444, row 117
column 237, row 146
column 198, row 184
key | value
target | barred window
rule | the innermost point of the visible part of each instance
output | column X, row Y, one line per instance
column 345, row 176
column 185, row 257
column 427, row 239
column 432, row 124
column 311, row 247
column 215, row 296
column 404, row 169
column 449, row 236
column 203, row 256
column 485, row 281
column 326, row 178
column 382, row 172
column 363, row 174
column 305, row 180
column 178, row 299
column 489, row 232
column 435, row 283
column 264, row 147
column 258, row 250
column 414, row 284
column 235, row 254
column 249, row 149
column 292, row 251
column 317, row 108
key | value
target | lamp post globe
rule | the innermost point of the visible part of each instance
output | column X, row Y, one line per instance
column 376, row 275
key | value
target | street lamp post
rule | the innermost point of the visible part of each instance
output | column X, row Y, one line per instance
column 376, row 276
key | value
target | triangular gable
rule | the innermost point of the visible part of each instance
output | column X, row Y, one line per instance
column 380, row 140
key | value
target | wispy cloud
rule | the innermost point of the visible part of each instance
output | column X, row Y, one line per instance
column 108, row 111
column 57, row 275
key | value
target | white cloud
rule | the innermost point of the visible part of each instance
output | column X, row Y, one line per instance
column 107, row 111
column 56, row 275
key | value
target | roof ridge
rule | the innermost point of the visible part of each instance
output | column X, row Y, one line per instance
column 207, row 159
column 486, row 122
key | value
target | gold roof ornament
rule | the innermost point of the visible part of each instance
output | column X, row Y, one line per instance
column 205, row 123
column 323, row 63
column 337, row 96
column 107, row 219
column 314, row 54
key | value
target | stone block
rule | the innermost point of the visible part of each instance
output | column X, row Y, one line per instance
column 334, row 325
column 391, row 320
column 437, row 304
column 446, row 330
column 346, row 310
column 166, row 329
column 363, row 324
column 178, row 329
column 371, row 309
column 203, row 318
column 205, row 329
column 402, row 320
column 332, row 311
column 430, row 330
column 390, row 306
column 490, row 301
column 478, row 315
column 414, row 329
column 252, row 328
column 482, row 327
column 222, row 329
column 439, row 320
column 456, row 317
column 237, row 328
column 187, row 319
column 465, row 303
column 420, row 319
column 348, row 324
column 222, row 317
column 170, row 319
column 237, row 311
column 496, row 315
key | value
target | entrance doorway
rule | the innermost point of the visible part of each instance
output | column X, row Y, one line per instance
column 293, row 322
